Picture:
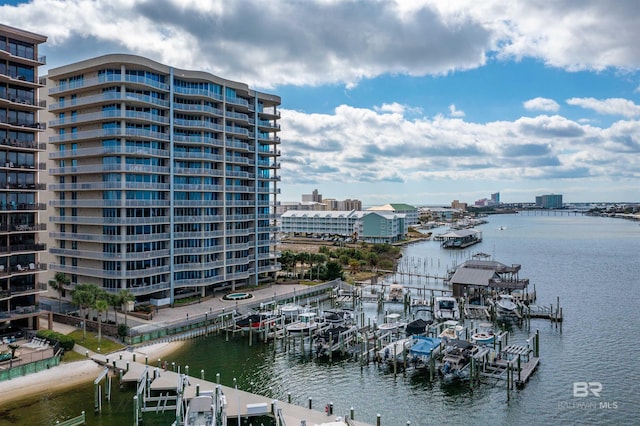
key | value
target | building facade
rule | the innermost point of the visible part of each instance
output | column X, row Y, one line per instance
column 165, row 179
column 20, row 168
column 550, row 201
column 368, row 226
column 410, row 212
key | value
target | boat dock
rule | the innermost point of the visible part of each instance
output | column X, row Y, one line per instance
column 162, row 388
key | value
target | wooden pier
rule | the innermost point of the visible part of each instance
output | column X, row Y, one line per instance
column 168, row 388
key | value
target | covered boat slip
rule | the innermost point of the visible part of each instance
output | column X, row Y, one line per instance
column 477, row 279
column 461, row 238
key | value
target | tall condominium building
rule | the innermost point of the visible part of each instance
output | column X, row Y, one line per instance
column 20, row 166
column 165, row 179
column 549, row 201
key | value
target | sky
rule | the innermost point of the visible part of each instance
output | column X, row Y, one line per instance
column 417, row 101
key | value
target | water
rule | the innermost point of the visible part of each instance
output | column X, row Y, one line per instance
column 591, row 264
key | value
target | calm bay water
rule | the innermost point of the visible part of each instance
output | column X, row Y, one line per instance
column 591, row 264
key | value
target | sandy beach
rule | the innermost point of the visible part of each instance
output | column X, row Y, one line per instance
column 67, row 375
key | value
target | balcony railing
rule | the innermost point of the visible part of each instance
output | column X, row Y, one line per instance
column 23, row 144
column 95, row 220
column 12, row 206
column 5, row 227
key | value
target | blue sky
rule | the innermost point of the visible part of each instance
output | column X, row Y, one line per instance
column 415, row 101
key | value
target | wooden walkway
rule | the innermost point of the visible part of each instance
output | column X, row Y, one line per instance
column 238, row 401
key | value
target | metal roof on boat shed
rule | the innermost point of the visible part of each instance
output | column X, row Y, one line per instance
column 472, row 276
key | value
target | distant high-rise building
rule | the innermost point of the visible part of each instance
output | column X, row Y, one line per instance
column 165, row 179
column 314, row 197
column 550, row 201
column 349, row 204
column 456, row 204
column 495, row 198
column 21, row 177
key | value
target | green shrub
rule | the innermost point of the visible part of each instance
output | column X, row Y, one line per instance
column 67, row 343
column 123, row 331
column 144, row 308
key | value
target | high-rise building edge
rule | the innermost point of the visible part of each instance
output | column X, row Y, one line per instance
column 21, row 210
column 165, row 180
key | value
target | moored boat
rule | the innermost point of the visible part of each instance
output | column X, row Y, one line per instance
column 255, row 321
column 396, row 293
column 423, row 349
column 452, row 330
column 305, row 323
column 290, row 310
column 506, row 304
column 395, row 352
column 417, row 326
column 200, row 411
column 337, row 317
column 446, row 308
column 392, row 322
column 484, row 334
column 455, row 363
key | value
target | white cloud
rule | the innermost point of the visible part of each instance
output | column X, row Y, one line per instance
column 611, row 106
column 453, row 112
column 320, row 42
column 378, row 147
column 541, row 104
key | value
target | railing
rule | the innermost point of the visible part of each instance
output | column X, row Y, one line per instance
column 22, row 144
column 22, row 247
column 280, row 417
column 75, row 421
column 186, row 328
column 38, row 362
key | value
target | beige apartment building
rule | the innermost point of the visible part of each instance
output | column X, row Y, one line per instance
column 164, row 180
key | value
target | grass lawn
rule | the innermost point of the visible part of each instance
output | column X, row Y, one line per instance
column 73, row 356
column 91, row 342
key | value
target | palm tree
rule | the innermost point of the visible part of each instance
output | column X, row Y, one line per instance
column 303, row 257
column 13, row 349
column 101, row 306
column 114, row 300
column 84, row 297
column 125, row 297
column 58, row 283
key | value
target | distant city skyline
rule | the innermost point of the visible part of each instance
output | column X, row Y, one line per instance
column 420, row 102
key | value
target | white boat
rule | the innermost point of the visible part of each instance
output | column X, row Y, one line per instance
column 290, row 310
column 484, row 334
column 209, row 408
column 305, row 323
column 396, row 351
column 392, row 323
column 200, row 411
column 396, row 294
column 446, row 308
column 506, row 303
column 452, row 330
